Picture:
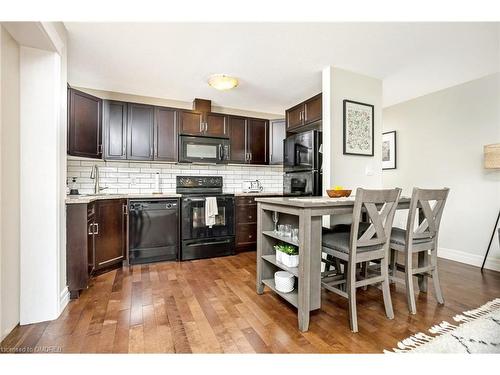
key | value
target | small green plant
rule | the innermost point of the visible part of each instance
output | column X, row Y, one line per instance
column 287, row 249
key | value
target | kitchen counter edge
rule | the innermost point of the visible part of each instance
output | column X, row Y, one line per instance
column 93, row 198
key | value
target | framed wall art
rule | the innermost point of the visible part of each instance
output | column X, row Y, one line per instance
column 358, row 128
column 389, row 150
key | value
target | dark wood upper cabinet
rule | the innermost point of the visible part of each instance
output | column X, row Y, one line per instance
column 115, row 130
column 216, row 125
column 305, row 114
column 237, row 139
column 110, row 232
column 249, row 139
column 140, row 125
column 165, row 134
column 84, row 125
column 313, row 109
column 294, row 117
column 257, row 140
column 191, row 123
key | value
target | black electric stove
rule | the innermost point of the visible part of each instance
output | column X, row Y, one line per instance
column 199, row 240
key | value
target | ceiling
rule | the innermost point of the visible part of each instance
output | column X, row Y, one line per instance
column 278, row 64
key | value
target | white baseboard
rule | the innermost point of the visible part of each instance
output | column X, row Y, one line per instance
column 63, row 299
column 468, row 258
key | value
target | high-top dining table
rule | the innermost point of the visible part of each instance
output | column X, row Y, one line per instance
column 306, row 213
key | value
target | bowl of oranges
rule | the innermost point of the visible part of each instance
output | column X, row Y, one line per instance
column 338, row 192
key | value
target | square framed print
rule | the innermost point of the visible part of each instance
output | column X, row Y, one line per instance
column 389, row 150
column 358, row 128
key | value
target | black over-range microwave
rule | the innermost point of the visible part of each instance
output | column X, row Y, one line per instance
column 203, row 149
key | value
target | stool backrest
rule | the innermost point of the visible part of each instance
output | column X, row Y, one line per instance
column 429, row 217
column 380, row 206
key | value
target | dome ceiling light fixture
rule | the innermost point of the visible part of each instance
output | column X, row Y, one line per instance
column 222, row 82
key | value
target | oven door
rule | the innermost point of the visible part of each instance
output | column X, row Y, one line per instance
column 193, row 218
column 203, row 149
column 302, row 183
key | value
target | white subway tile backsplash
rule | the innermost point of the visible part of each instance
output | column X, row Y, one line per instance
column 139, row 177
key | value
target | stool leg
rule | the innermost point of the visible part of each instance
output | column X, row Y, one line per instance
column 386, row 292
column 409, row 282
column 351, row 293
column 435, row 277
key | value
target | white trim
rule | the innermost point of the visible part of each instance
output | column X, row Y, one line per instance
column 468, row 258
column 63, row 299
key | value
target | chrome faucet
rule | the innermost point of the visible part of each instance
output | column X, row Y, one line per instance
column 94, row 174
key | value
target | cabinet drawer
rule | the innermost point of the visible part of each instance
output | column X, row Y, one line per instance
column 246, row 214
column 246, row 234
column 243, row 201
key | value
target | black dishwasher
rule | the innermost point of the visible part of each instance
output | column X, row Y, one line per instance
column 153, row 230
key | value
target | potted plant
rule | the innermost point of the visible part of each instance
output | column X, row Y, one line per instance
column 287, row 255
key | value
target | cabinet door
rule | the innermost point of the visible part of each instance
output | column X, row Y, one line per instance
column 84, row 125
column 237, row 139
column 313, row 109
column 115, row 130
column 216, row 125
column 295, row 117
column 110, row 235
column 257, row 140
column 277, row 134
column 191, row 123
column 165, row 134
column 140, row 126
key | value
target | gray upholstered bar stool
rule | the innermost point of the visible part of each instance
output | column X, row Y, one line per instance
column 364, row 243
column 419, row 238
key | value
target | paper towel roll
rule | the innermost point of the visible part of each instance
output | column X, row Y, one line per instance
column 157, row 184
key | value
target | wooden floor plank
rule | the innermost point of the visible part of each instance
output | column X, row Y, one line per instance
column 210, row 306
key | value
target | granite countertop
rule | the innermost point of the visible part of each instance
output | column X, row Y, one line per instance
column 76, row 199
column 309, row 202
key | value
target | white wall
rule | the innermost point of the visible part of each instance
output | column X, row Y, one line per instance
column 9, row 192
column 349, row 171
column 110, row 95
column 40, row 200
column 440, row 139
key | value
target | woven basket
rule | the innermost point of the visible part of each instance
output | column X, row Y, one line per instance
column 492, row 156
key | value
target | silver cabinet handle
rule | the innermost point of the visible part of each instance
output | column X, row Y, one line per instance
column 96, row 228
column 201, row 127
column 90, row 229
column 125, row 209
column 206, row 126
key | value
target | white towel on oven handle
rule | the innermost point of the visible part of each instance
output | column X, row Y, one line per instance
column 211, row 210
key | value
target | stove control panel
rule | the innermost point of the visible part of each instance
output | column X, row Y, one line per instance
column 199, row 181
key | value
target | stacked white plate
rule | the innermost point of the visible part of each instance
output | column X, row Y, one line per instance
column 284, row 281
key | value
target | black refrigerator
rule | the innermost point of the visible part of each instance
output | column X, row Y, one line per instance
column 302, row 162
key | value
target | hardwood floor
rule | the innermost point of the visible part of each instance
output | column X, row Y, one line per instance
column 210, row 306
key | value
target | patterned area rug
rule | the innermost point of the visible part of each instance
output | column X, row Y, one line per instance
column 478, row 331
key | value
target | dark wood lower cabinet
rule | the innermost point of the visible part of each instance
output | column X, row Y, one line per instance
column 246, row 222
column 110, row 233
column 96, row 239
